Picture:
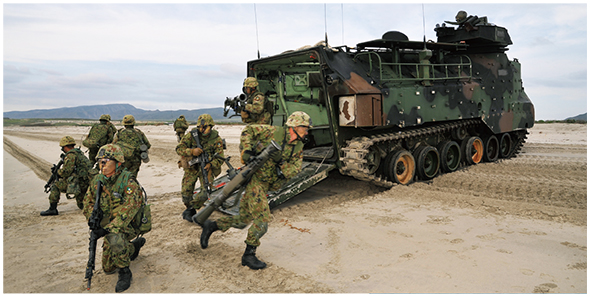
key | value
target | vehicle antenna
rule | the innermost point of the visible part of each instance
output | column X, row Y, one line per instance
column 342, row 19
column 424, row 25
column 256, row 23
column 325, row 24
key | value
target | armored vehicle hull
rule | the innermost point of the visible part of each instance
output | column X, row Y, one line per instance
column 393, row 111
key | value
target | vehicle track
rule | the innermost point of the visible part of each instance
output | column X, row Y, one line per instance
column 40, row 167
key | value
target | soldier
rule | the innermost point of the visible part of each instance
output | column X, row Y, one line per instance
column 258, row 109
column 121, row 198
column 74, row 176
column 282, row 166
column 187, row 149
column 99, row 135
column 132, row 140
column 180, row 126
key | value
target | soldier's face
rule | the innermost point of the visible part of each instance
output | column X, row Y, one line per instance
column 107, row 166
column 205, row 130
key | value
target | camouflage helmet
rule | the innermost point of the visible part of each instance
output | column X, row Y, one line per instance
column 181, row 116
column 205, row 120
column 250, row 82
column 461, row 16
column 110, row 151
column 128, row 120
column 67, row 140
column 299, row 118
column 105, row 117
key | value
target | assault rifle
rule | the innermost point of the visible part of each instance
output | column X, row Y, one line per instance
column 240, row 180
column 54, row 176
column 238, row 104
column 202, row 160
column 94, row 224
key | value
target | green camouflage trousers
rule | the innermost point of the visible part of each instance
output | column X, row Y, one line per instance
column 60, row 186
column 189, row 179
column 253, row 208
column 112, row 260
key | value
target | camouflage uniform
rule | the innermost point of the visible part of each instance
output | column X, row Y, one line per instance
column 74, row 173
column 99, row 135
column 254, row 205
column 132, row 138
column 180, row 126
column 255, row 105
column 120, row 200
column 212, row 144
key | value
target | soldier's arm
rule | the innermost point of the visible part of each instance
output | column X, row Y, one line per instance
column 89, row 199
column 293, row 167
column 68, row 167
column 257, row 104
column 185, row 145
column 216, row 163
column 125, row 213
column 145, row 140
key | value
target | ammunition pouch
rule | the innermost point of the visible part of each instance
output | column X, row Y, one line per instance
column 73, row 187
column 144, row 153
column 142, row 223
column 116, row 241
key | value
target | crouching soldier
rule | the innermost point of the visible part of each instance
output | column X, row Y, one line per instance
column 121, row 198
column 211, row 145
column 72, row 178
column 282, row 166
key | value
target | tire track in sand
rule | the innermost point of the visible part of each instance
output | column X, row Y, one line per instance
column 39, row 166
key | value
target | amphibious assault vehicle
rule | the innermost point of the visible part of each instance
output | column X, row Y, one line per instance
column 392, row 111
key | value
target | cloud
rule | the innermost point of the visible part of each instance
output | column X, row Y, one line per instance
column 174, row 56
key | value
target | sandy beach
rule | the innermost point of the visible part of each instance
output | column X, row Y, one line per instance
column 512, row 226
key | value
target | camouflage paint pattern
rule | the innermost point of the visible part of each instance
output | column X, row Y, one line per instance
column 180, row 126
column 121, row 198
column 212, row 144
column 254, row 204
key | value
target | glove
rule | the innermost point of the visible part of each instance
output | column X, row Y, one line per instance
column 244, row 114
column 100, row 232
column 245, row 157
column 276, row 156
column 196, row 151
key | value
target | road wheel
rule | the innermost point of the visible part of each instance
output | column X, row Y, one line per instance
column 450, row 155
column 427, row 162
column 373, row 160
column 401, row 167
column 505, row 145
column 473, row 150
column 492, row 149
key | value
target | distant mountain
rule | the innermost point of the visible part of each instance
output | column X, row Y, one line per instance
column 580, row 117
column 116, row 111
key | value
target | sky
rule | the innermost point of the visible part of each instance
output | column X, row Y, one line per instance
column 194, row 55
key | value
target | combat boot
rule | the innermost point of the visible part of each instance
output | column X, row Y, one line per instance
column 137, row 243
column 188, row 214
column 249, row 258
column 124, row 281
column 208, row 228
column 52, row 211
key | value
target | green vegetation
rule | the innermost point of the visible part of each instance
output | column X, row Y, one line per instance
column 569, row 121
